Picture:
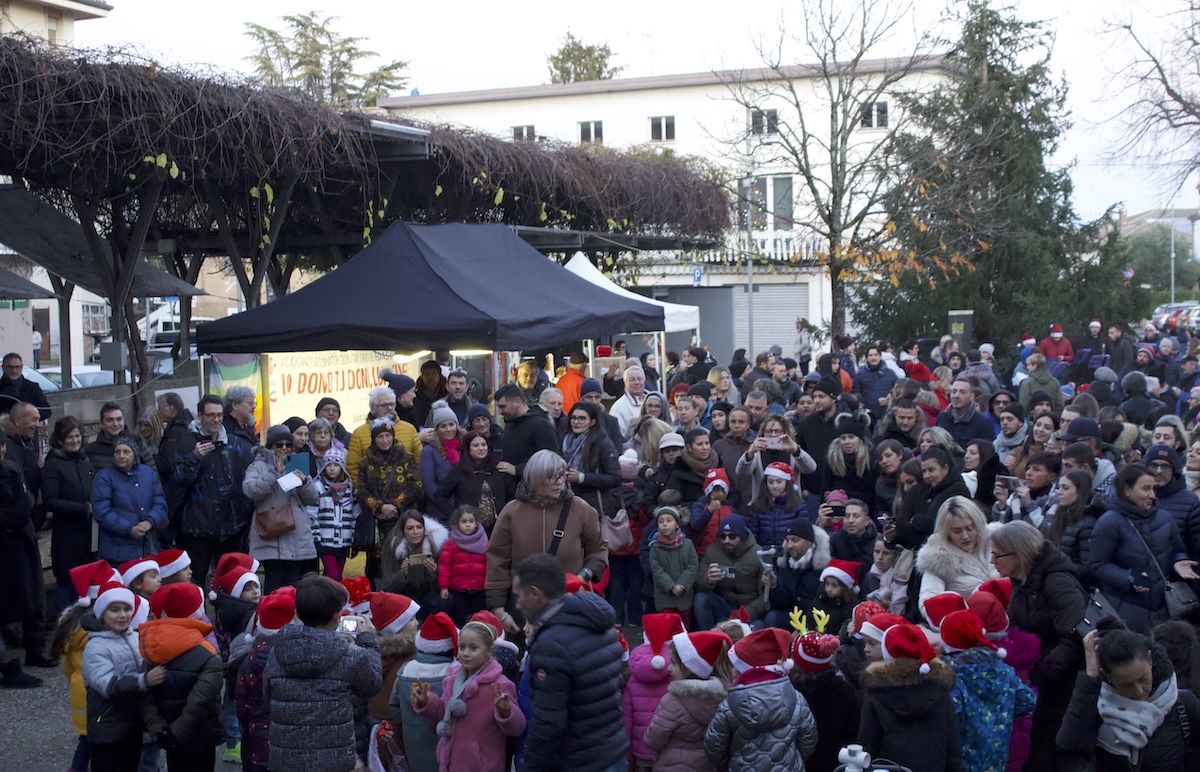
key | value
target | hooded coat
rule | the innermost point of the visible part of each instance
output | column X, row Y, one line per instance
column 834, row 705
column 1041, row 380
column 909, row 717
column 253, row 709
column 761, row 726
column 676, row 732
column 988, row 697
column 1138, row 403
column 477, row 737
column 800, row 587
column 644, row 690
column 188, row 701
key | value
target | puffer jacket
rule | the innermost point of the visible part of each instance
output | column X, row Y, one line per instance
column 460, row 569
column 800, row 587
column 1168, row 749
column 418, row 732
column 120, row 500
column 575, row 657
column 645, row 689
column 745, row 588
column 909, row 718
column 1075, row 543
column 334, row 515
column 1048, row 603
column 1183, row 506
column 214, row 505
column 670, row 566
column 72, row 665
column 188, row 701
column 676, row 732
column 874, row 383
column 112, row 674
column 262, row 487
column 1117, row 555
column 988, row 697
column 761, row 726
column 309, row 681
column 253, row 709
column 232, row 619
column 769, row 528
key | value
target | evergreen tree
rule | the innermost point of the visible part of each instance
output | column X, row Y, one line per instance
column 576, row 61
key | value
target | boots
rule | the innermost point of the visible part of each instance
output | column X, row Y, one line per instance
column 15, row 678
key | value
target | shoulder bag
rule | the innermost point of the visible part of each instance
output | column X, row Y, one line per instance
column 1181, row 600
column 1097, row 608
column 276, row 521
column 615, row 529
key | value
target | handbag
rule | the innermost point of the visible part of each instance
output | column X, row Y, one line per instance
column 366, row 530
column 1097, row 608
column 275, row 522
column 1181, row 600
column 615, row 529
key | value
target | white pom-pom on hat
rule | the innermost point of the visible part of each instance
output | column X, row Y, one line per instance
column 658, row 662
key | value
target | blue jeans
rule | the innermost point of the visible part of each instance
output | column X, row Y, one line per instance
column 625, row 588
column 710, row 609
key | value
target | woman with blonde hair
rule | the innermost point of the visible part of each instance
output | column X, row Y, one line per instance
column 723, row 386
column 645, row 439
column 957, row 556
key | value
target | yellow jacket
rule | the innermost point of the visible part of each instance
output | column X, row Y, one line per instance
column 360, row 440
column 72, row 665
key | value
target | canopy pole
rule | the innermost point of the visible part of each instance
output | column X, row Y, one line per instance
column 662, row 361
column 590, row 348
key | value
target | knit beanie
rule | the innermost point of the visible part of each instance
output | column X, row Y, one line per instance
column 279, row 433
column 327, row 401
column 1106, row 375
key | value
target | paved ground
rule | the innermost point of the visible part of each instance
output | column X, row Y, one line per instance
column 35, row 726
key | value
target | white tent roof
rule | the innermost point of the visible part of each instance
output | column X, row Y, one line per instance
column 678, row 318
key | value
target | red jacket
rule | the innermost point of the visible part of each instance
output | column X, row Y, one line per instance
column 461, row 570
column 1053, row 349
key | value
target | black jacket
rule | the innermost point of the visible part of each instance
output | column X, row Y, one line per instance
column 243, row 441
column 23, row 390
column 856, row 486
column 909, row 718
column 465, row 487
column 214, row 503
column 100, row 450
column 919, row 507
column 188, row 701
column 527, row 435
column 815, row 435
column 689, row 484
column 859, row 549
column 176, row 435
column 20, row 564
column 66, row 494
column 834, row 706
column 25, row 454
column 1049, row 603
column 599, row 487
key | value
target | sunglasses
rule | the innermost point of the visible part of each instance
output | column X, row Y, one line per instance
column 282, row 444
column 728, row 536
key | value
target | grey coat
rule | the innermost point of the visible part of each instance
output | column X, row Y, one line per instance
column 762, row 727
column 262, row 487
column 112, row 674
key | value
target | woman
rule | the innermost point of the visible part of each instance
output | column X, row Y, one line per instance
column 848, row 462
column 718, row 415
column 289, row 556
column 389, row 483
column 723, row 388
column 409, row 558
column 650, row 366
column 441, row 456
column 775, row 430
column 150, row 427
column 644, row 442
column 980, row 467
column 1133, row 546
column 592, row 466
column 542, row 505
column 955, row 558
column 474, row 481
column 299, row 429
column 936, row 436
column 1039, row 436
column 653, row 406
column 1048, row 602
column 830, row 366
column 889, row 457
column 128, row 504
column 67, row 495
column 1073, row 521
column 943, row 377
column 1191, row 468
column 320, row 441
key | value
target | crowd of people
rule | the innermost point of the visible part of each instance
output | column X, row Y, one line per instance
column 958, row 564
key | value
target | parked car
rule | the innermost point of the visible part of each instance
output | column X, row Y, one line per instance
column 1166, row 316
column 54, row 374
column 41, row 380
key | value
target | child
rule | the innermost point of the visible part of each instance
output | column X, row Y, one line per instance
column 313, row 675
column 700, row 672
column 476, row 710
column 777, row 504
column 888, row 590
column 709, row 510
column 141, row 576
column 174, row 566
column 987, row 693
column 648, row 680
column 839, row 593
column 462, row 565
column 395, row 618
column 851, row 658
column 253, row 710
column 235, row 596
column 673, row 566
column 831, row 698
column 907, row 714
column 335, row 513
column 112, row 666
column 436, row 643
column 181, row 600
column 762, row 716
column 357, row 590
column 183, row 712
column 505, row 651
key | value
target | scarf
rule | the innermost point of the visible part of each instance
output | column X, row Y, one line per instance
column 670, row 543
column 1193, row 479
column 801, row 563
column 1128, row 724
column 476, row 543
column 1006, row 446
column 700, row 465
column 455, row 707
column 453, row 449
column 339, row 491
column 572, row 449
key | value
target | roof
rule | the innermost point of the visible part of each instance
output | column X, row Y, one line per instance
column 16, row 287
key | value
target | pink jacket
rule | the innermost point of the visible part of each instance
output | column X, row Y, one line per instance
column 1022, row 651
column 676, row 733
column 478, row 738
column 646, row 687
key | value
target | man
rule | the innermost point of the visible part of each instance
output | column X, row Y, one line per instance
column 618, row 349
column 1079, row 455
column 15, row 387
column 526, row 430
column 457, row 398
column 629, row 406
column 756, row 403
column 796, row 580
column 23, row 448
column 531, row 386
column 381, row 404
column 917, row 514
column 1013, row 432
column 762, row 369
column 572, row 379
column 874, row 383
column 431, row 386
column 730, row 576
column 1120, row 349
column 855, row 541
column 574, row 669
column 1056, row 346
column 177, row 421
column 1039, row 379
column 239, row 422
column 331, row 410
column 112, row 426
column 24, row 597
column 1172, row 494
column 481, row 421
column 789, row 390
column 551, row 402
column 693, row 367
column 216, row 517
column 730, row 449
column 903, row 423
column 590, row 391
column 817, row 432
column 962, row 419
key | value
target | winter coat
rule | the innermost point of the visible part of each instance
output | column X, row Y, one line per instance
column 918, row 510
column 372, row 486
column 599, row 486
column 753, row 467
column 858, row 549
column 461, row 570
column 67, row 495
column 834, row 706
column 309, row 680
column 525, row 527
column 466, row 487
column 856, row 486
column 527, row 435
column 1041, row 380
column 730, row 450
column 873, row 384
column 112, row 674
column 800, row 587
column 705, row 523
column 977, row 426
column 418, row 732
column 1116, row 555
column 120, row 500
column 435, row 468
column 761, row 726
column 909, row 718
column 253, row 709
column 676, row 732
column 1075, row 540
column 670, row 566
column 361, row 445
column 176, row 434
column 988, row 696
column 333, row 516
column 685, row 480
column 745, row 588
column 815, row 434
column 645, row 688
column 477, row 738
column 262, row 487
column 72, row 665
column 1049, row 603
column 21, row 566
column 946, row 568
column 575, row 662
column 1169, row 749
column 188, row 701
column 1184, row 508
column 232, row 619
column 243, row 439
column 769, row 528
column 395, row 651
column 416, row 582
column 212, row 487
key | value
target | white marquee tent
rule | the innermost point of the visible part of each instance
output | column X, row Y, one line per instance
column 677, row 317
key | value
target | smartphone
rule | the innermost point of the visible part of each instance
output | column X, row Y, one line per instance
column 418, row 559
column 1011, row 483
column 773, row 443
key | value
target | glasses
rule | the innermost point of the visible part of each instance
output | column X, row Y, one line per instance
column 1158, row 466
column 998, row 555
column 282, row 444
column 219, row 414
column 728, row 536
column 560, row 477
column 581, row 417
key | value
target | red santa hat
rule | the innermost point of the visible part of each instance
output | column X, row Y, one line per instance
column 110, row 593
column 232, row 582
column 715, row 477
column 1095, row 323
column 844, row 571
column 135, row 568
column 765, row 649
column 936, row 608
column 357, row 587
column 1056, row 328
column 963, row 630
column 813, row 652
column 781, row 470
column 141, row 611
column 659, row 629
column 232, row 560
column 390, row 611
column 990, row 611
column 438, row 635
column 179, row 600
column 875, row 627
column 700, row 652
column 864, row 611
column 1001, row 588
column 171, row 562
column 1028, row 340
column 275, row 611
column 907, row 641
column 491, row 620
column 90, row 577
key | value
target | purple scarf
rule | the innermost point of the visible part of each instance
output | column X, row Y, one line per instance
column 476, row 542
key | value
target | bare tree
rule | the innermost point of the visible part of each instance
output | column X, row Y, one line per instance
column 828, row 123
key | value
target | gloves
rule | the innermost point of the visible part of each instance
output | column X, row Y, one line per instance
column 166, row 740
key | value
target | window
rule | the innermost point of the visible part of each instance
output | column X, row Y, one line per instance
column 769, row 201
column 523, row 134
column 764, row 122
column 783, row 203
column 875, row 116
column 591, row 131
column 95, row 319
column 54, row 29
column 662, row 129
column 754, row 198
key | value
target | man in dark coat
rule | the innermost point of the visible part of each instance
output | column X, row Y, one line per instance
column 15, row 387
column 962, row 419
column 575, row 668
column 526, row 431
column 23, row 448
column 176, row 422
column 1173, row 496
column 874, row 383
column 20, row 570
column 1120, row 349
column 818, row 431
column 112, row 427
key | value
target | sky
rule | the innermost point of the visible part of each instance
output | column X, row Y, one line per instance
column 494, row 44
